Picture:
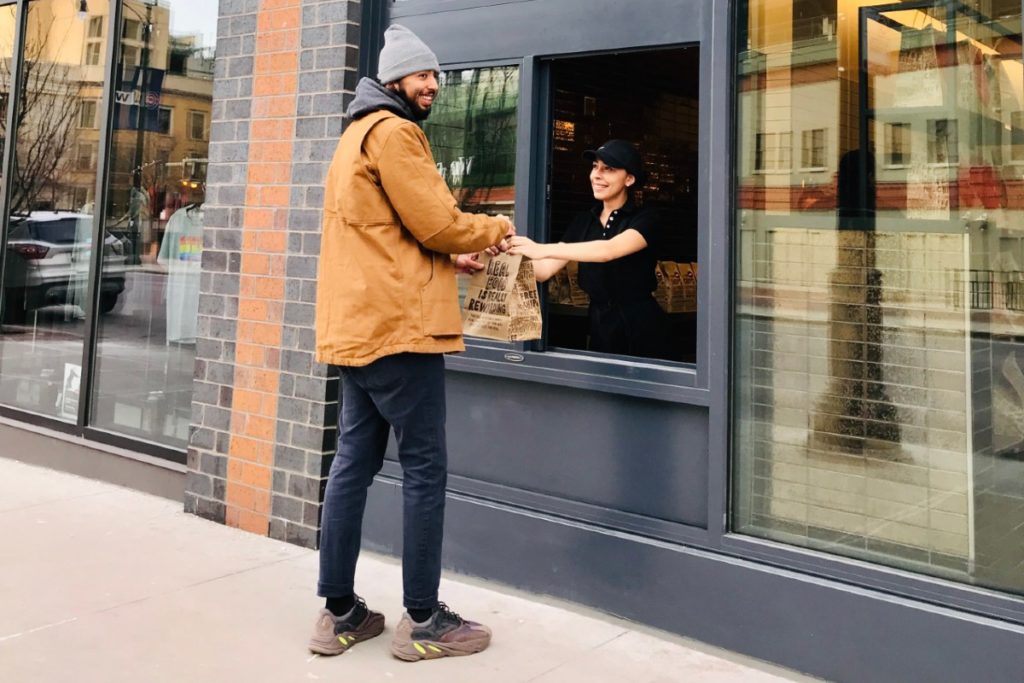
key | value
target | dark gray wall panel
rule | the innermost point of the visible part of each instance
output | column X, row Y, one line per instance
column 616, row 452
column 543, row 27
column 820, row 627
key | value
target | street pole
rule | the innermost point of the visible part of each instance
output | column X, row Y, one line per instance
column 140, row 119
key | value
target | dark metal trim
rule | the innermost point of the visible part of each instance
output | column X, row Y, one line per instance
column 374, row 20
column 11, row 148
column 407, row 8
column 39, row 420
column 92, row 323
column 91, row 434
column 573, row 371
column 139, row 446
column 586, row 513
column 714, row 282
column 948, row 593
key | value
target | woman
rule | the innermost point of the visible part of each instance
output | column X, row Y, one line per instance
column 614, row 243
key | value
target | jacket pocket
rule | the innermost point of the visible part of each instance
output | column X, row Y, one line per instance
column 439, row 299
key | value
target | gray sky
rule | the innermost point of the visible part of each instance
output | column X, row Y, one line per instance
column 195, row 16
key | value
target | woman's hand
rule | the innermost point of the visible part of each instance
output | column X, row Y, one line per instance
column 527, row 247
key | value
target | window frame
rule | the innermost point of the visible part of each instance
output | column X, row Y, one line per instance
column 534, row 361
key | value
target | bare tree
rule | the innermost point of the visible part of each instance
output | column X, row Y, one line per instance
column 47, row 117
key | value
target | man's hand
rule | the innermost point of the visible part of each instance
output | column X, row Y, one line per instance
column 503, row 244
column 468, row 263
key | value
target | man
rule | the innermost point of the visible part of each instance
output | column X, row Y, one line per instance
column 387, row 309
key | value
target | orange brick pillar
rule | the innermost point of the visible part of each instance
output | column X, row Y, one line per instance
column 261, row 282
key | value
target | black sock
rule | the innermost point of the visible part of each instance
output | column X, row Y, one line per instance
column 420, row 615
column 339, row 607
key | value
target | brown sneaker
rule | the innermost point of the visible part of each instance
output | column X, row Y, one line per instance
column 334, row 635
column 445, row 634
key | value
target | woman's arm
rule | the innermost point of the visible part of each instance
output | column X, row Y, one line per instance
column 545, row 269
column 625, row 243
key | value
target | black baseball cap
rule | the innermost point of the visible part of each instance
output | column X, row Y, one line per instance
column 620, row 154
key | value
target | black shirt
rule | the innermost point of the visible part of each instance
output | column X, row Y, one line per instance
column 624, row 279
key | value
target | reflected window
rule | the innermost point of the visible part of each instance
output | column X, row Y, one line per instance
column 897, row 144
column 943, row 141
column 813, row 149
column 197, row 125
column 93, row 53
column 1017, row 135
column 89, row 109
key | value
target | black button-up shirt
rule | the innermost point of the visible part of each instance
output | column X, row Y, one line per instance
column 624, row 279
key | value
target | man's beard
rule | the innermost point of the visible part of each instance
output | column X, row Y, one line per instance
column 418, row 112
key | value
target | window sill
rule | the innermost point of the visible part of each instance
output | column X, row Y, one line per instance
column 673, row 383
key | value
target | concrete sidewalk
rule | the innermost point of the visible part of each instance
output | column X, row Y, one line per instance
column 101, row 583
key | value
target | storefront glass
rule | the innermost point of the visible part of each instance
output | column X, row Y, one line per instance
column 49, row 240
column 157, row 175
column 878, row 365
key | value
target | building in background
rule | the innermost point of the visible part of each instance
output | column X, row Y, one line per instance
column 827, row 474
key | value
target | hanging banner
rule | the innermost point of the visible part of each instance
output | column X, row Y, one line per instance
column 139, row 89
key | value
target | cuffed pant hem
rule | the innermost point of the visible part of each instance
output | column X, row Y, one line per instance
column 428, row 603
column 334, row 590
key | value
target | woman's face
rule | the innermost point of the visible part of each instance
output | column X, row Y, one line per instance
column 609, row 183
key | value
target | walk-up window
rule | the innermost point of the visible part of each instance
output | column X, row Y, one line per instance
column 649, row 98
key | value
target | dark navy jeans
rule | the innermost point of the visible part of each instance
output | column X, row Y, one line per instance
column 404, row 392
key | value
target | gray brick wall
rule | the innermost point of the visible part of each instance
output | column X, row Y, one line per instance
column 222, row 243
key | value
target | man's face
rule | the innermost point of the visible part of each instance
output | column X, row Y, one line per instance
column 418, row 90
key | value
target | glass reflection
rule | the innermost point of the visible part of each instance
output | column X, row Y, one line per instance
column 146, row 346
column 49, row 240
column 878, row 387
column 472, row 134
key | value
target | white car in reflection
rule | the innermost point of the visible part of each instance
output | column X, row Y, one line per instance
column 47, row 263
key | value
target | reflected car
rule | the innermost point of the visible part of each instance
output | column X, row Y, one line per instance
column 47, row 263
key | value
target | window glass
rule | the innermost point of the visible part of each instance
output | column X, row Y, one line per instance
column 49, row 243
column 146, row 347
column 878, row 376
column 472, row 134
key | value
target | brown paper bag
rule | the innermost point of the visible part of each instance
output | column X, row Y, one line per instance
column 689, row 274
column 674, row 286
column 501, row 302
column 661, row 294
column 577, row 297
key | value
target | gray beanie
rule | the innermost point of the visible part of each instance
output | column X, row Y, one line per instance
column 403, row 54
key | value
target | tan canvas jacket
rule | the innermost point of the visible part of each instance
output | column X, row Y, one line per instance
column 386, row 283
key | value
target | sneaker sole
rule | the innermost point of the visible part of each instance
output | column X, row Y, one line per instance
column 341, row 643
column 415, row 650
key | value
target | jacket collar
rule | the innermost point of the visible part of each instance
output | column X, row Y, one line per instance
column 371, row 96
